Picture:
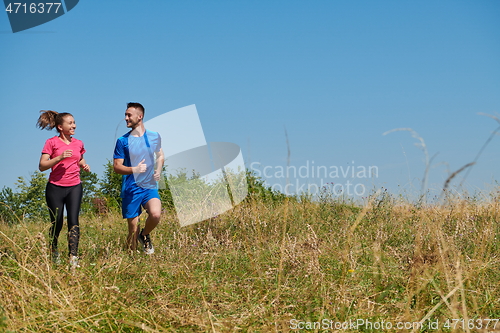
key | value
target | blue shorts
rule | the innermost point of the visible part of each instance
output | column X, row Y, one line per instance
column 135, row 198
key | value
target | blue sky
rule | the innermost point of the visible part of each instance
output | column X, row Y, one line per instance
column 335, row 74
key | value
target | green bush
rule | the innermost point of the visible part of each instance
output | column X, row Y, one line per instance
column 29, row 201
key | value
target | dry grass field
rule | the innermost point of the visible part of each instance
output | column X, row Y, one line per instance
column 265, row 267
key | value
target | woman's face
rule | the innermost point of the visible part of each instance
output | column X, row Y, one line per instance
column 68, row 126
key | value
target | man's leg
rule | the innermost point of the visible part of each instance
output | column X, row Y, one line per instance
column 133, row 231
column 131, row 210
column 153, row 207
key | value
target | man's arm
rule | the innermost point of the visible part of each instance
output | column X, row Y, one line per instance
column 160, row 159
column 121, row 169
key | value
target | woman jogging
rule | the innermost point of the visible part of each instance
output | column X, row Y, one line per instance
column 64, row 154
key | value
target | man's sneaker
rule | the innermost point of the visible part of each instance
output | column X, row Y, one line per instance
column 146, row 243
column 56, row 258
column 73, row 262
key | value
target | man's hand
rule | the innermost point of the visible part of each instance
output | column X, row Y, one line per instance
column 157, row 175
column 141, row 167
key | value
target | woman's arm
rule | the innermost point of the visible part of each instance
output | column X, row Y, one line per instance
column 46, row 162
column 82, row 164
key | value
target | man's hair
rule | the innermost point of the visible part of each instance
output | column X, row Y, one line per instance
column 137, row 106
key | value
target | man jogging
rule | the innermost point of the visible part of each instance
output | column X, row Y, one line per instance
column 138, row 156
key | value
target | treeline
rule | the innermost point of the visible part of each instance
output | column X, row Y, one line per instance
column 100, row 195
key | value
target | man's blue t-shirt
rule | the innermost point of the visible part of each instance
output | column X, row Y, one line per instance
column 133, row 150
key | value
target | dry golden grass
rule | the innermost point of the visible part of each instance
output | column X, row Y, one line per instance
column 259, row 267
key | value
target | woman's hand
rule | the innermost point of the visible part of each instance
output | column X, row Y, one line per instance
column 66, row 153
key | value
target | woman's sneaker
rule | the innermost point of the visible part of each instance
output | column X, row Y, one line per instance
column 146, row 243
column 73, row 262
column 56, row 258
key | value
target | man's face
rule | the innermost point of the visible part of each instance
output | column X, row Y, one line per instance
column 133, row 117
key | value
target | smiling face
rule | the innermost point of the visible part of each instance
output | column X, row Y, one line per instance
column 68, row 126
column 133, row 117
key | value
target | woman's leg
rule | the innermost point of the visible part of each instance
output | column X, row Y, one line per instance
column 55, row 201
column 73, row 202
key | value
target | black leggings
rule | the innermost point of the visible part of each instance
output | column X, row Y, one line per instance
column 57, row 197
